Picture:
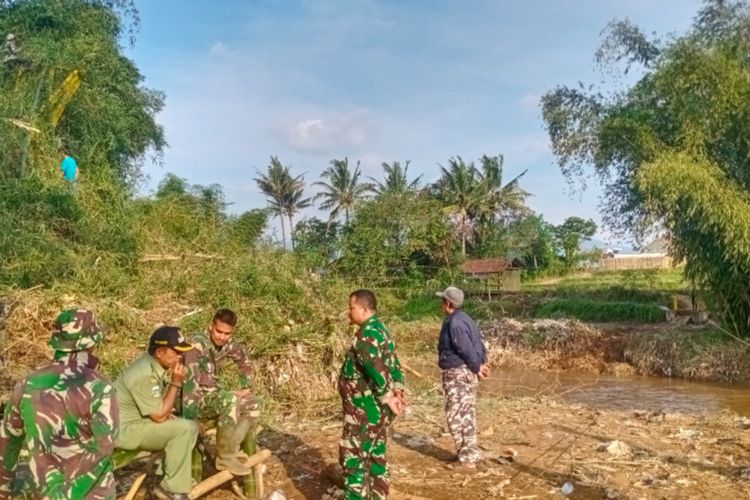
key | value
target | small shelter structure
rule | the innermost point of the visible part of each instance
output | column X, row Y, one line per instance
column 492, row 275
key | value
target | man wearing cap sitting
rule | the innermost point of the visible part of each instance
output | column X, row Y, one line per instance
column 204, row 398
column 146, row 392
column 462, row 357
column 66, row 414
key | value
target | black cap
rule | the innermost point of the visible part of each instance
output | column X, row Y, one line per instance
column 169, row 336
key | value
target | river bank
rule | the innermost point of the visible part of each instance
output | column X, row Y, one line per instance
column 674, row 350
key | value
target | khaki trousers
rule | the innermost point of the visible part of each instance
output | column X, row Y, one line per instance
column 175, row 436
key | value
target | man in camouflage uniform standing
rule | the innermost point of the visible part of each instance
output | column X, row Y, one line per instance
column 463, row 358
column 204, row 398
column 66, row 414
column 371, row 386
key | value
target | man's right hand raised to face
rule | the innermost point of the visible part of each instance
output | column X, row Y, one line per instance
column 178, row 373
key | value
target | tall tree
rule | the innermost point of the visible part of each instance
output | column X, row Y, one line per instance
column 502, row 204
column 79, row 90
column 343, row 191
column 462, row 192
column 293, row 201
column 396, row 180
column 571, row 233
column 279, row 187
column 681, row 131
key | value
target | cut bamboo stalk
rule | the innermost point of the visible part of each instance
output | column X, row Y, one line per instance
column 259, row 490
column 135, row 487
column 411, row 370
column 222, row 477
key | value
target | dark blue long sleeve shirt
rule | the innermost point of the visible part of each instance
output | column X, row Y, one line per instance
column 460, row 343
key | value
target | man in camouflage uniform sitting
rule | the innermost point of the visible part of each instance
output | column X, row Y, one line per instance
column 204, row 398
column 372, row 393
column 66, row 414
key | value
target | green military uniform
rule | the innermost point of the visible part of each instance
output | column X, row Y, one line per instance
column 371, row 371
column 66, row 415
column 140, row 391
column 203, row 396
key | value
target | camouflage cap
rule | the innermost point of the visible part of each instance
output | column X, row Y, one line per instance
column 75, row 330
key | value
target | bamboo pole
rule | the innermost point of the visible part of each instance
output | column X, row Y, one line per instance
column 135, row 487
column 258, row 473
column 411, row 370
column 222, row 477
column 249, row 483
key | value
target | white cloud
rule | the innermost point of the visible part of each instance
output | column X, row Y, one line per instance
column 333, row 134
column 219, row 48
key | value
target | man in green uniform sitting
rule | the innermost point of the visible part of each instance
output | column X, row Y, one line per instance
column 66, row 415
column 146, row 392
column 204, row 398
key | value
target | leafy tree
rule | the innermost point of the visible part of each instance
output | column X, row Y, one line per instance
column 533, row 240
column 392, row 234
column 396, row 180
column 571, row 233
column 249, row 226
column 343, row 191
column 210, row 199
column 79, row 91
column 686, row 119
column 172, row 185
column 317, row 240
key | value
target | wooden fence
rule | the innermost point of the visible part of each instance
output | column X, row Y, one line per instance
column 635, row 262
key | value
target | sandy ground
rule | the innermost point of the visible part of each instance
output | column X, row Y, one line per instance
column 604, row 454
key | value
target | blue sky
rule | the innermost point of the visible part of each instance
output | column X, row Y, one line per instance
column 391, row 80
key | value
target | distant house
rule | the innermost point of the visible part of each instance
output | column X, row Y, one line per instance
column 492, row 275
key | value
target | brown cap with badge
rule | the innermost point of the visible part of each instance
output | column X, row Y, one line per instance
column 169, row 336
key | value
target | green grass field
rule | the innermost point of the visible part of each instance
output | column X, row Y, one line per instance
column 632, row 296
column 601, row 312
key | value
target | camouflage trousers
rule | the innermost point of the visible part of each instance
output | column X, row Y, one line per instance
column 98, row 484
column 227, row 407
column 363, row 445
column 460, row 389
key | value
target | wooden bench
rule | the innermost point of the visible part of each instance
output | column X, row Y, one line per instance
column 252, row 484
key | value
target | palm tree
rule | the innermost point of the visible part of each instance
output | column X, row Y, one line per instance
column 283, row 192
column 462, row 191
column 343, row 190
column 396, row 180
column 293, row 201
column 508, row 198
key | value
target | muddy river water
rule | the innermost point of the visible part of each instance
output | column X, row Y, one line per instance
column 617, row 392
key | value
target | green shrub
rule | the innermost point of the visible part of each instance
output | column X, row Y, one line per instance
column 603, row 312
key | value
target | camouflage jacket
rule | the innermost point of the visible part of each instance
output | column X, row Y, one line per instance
column 205, row 362
column 372, row 360
column 66, row 414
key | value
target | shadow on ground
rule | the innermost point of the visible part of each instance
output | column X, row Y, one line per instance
column 303, row 464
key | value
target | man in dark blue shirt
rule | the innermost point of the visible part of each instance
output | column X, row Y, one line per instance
column 463, row 358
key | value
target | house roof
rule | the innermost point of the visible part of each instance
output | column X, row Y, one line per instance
column 479, row 266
